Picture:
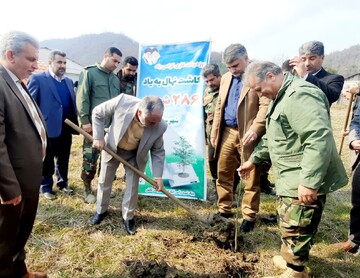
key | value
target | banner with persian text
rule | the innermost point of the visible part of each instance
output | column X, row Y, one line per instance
column 173, row 72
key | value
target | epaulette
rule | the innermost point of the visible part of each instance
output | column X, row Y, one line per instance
column 91, row 66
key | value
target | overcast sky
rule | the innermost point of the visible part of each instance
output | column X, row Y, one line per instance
column 270, row 30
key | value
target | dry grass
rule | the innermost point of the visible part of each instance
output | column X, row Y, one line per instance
column 169, row 242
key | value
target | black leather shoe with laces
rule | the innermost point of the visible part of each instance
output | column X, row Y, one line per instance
column 247, row 226
column 130, row 226
column 99, row 217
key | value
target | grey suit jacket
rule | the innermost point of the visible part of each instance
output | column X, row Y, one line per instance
column 20, row 143
column 121, row 110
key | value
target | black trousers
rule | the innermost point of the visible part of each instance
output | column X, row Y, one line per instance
column 354, row 233
column 57, row 161
column 16, row 223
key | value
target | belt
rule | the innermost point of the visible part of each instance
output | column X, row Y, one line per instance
column 233, row 127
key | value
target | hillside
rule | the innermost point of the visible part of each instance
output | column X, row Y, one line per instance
column 88, row 49
column 345, row 62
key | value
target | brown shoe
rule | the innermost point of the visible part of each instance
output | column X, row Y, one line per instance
column 279, row 262
column 347, row 246
column 290, row 273
column 35, row 275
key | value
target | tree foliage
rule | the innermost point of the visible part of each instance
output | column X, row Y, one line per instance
column 184, row 151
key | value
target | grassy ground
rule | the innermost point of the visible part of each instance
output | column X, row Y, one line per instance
column 169, row 242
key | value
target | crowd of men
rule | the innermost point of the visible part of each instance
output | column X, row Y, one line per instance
column 257, row 115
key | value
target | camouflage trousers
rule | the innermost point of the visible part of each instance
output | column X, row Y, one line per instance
column 298, row 225
column 90, row 158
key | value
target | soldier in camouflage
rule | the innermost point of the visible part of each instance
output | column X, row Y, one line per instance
column 128, row 76
column 212, row 76
column 300, row 143
column 97, row 83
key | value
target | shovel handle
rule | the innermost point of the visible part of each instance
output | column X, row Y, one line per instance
column 346, row 121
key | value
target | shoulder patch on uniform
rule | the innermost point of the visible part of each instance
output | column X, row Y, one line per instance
column 91, row 66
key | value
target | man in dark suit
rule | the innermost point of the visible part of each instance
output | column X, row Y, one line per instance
column 308, row 65
column 22, row 149
column 55, row 95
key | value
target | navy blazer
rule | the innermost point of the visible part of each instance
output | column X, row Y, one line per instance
column 330, row 84
column 43, row 90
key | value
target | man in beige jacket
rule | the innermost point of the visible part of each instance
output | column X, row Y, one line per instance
column 239, row 123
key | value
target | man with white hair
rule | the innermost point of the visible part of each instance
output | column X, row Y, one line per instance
column 136, row 129
column 302, row 149
column 22, row 150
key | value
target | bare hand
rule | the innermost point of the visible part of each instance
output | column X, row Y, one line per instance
column 87, row 128
column 98, row 144
column 354, row 89
column 249, row 137
column 307, row 195
column 355, row 144
column 160, row 184
column 14, row 201
column 345, row 132
column 299, row 66
column 245, row 169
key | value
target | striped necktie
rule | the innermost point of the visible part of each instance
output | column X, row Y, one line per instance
column 35, row 116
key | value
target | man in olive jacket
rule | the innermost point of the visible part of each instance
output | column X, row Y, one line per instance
column 97, row 84
column 302, row 149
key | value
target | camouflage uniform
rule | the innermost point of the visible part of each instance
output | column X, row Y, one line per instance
column 298, row 226
column 95, row 87
column 210, row 100
column 303, row 152
column 126, row 86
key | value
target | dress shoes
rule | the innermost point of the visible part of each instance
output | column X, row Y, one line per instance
column 269, row 220
column 89, row 198
column 347, row 246
column 212, row 197
column 279, row 262
column 268, row 188
column 35, row 275
column 290, row 273
column 247, row 226
column 67, row 190
column 99, row 217
column 130, row 226
column 49, row 195
column 225, row 215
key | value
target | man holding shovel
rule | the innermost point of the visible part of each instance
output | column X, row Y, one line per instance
column 136, row 129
